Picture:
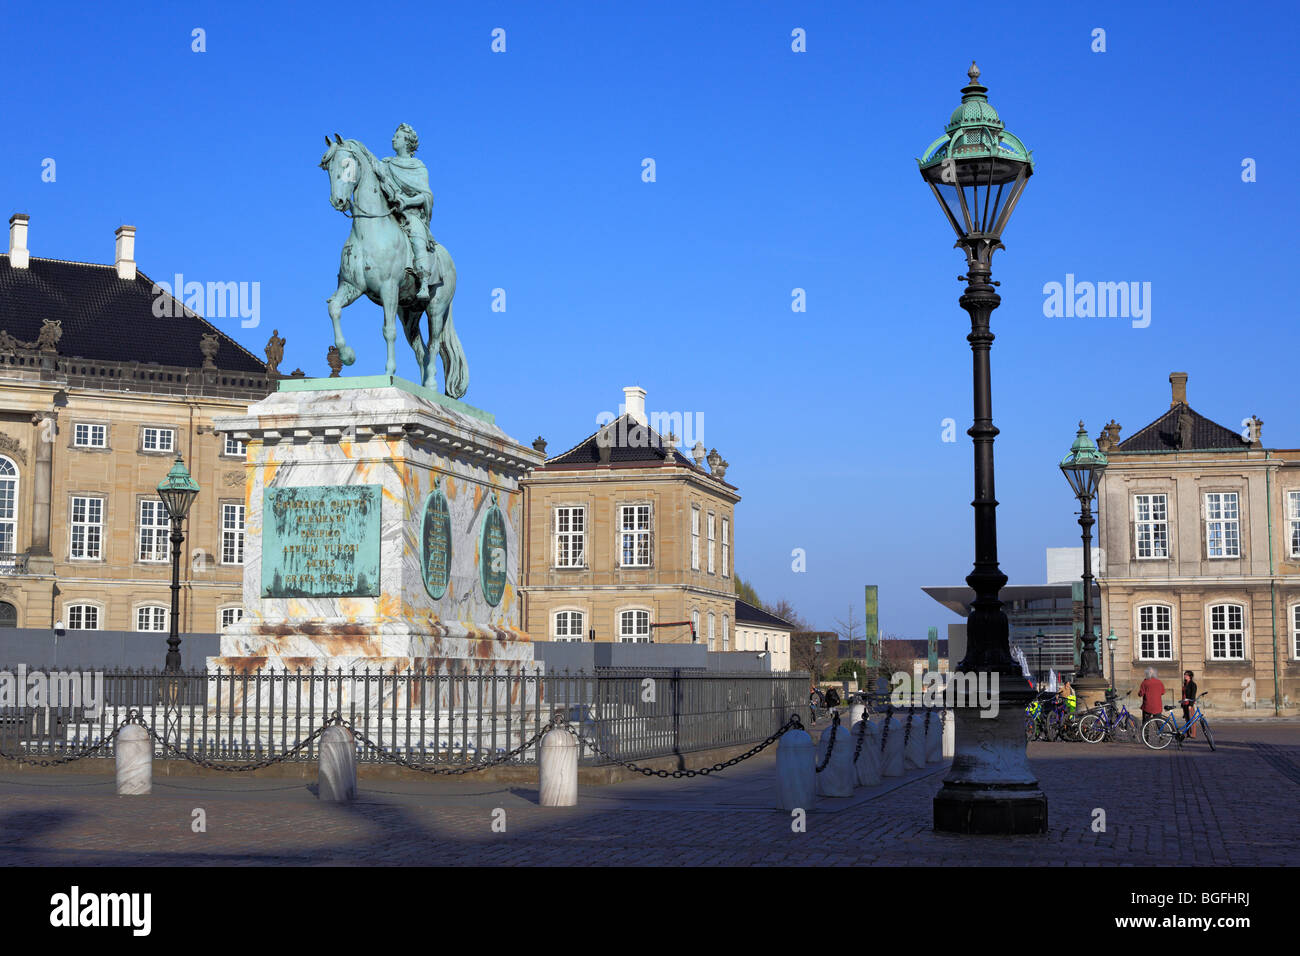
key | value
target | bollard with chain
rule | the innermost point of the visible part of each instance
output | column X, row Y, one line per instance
column 933, row 736
column 913, row 743
column 891, row 745
column 796, row 770
column 835, row 774
column 337, row 775
column 866, row 753
column 557, row 765
column 134, row 761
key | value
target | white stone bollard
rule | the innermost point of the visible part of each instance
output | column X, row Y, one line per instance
column 934, row 736
column 867, row 768
column 949, row 733
column 796, row 771
column 134, row 761
column 914, row 748
column 856, row 713
column 891, row 742
column 557, row 762
column 838, row 777
column 336, row 778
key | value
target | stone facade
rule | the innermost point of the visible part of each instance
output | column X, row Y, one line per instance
column 1203, row 559
column 578, row 581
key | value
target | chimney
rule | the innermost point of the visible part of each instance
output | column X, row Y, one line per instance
column 125, row 252
column 1179, row 382
column 634, row 403
column 18, row 254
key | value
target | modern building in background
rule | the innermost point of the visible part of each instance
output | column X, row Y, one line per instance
column 628, row 538
column 1054, row 610
column 1201, row 526
column 103, row 380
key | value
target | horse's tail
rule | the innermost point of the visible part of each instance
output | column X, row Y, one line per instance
column 455, row 371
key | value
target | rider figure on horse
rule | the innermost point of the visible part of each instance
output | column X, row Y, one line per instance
column 407, row 182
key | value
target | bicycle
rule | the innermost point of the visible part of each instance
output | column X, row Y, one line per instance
column 1036, row 719
column 1108, row 722
column 1061, row 724
column 1161, row 731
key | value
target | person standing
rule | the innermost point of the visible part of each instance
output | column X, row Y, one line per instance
column 1189, row 698
column 1152, row 693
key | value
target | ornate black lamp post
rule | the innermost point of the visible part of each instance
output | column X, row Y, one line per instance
column 177, row 491
column 1111, row 641
column 1083, row 468
column 978, row 171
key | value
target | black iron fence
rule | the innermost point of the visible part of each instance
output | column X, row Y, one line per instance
column 466, row 718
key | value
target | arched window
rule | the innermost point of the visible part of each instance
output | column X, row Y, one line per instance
column 1155, row 632
column 1295, row 632
column 726, row 633
column 712, row 626
column 151, row 617
column 1227, row 632
column 634, row 626
column 695, row 625
column 8, row 615
column 8, row 509
column 568, row 625
column 82, row 617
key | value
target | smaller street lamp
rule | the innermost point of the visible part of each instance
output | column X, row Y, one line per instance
column 1083, row 468
column 1111, row 641
column 177, row 491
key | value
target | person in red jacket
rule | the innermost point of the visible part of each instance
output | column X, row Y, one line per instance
column 1152, row 693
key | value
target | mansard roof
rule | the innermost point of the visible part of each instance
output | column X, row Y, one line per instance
column 106, row 318
column 1166, row 433
column 632, row 444
column 746, row 613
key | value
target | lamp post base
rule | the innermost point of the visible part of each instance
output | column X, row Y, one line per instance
column 990, row 788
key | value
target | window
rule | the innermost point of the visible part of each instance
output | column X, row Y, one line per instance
column 8, row 506
column 634, row 626
column 712, row 629
column 570, row 537
column 726, row 552
column 568, row 626
column 634, row 535
column 232, row 534
column 87, row 529
column 153, row 533
column 726, row 633
column 8, row 615
column 1155, row 633
column 695, row 625
column 1227, row 632
column 1151, row 514
column 231, row 615
column 158, row 439
column 83, row 617
column 1293, row 520
column 151, row 617
column 1222, row 525
column 85, row 435
column 712, row 539
column 234, row 447
column 695, row 539
column 1295, row 632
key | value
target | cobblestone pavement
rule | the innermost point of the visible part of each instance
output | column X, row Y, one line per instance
column 1235, row 807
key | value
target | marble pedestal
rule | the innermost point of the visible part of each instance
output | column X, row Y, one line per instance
column 381, row 534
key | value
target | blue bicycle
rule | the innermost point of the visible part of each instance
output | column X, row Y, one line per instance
column 1108, row 722
column 1161, row 731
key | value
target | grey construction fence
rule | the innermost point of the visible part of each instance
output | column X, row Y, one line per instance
column 458, row 719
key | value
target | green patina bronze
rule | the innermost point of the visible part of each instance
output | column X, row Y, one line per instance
column 435, row 549
column 391, row 258
column 492, row 554
column 975, row 132
column 321, row 541
column 383, row 381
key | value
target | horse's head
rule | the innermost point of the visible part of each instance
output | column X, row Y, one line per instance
column 344, row 169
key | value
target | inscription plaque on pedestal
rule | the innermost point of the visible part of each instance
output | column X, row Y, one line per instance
column 435, row 550
column 492, row 554
column 321, row 541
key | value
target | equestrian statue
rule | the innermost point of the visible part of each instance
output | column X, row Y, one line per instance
column 391, row 257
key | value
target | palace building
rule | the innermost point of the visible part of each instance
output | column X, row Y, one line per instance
column 1201, row 529
column 629, row 539
column 101, row 386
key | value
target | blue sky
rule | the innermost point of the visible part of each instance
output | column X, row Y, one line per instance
column 776, row 170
